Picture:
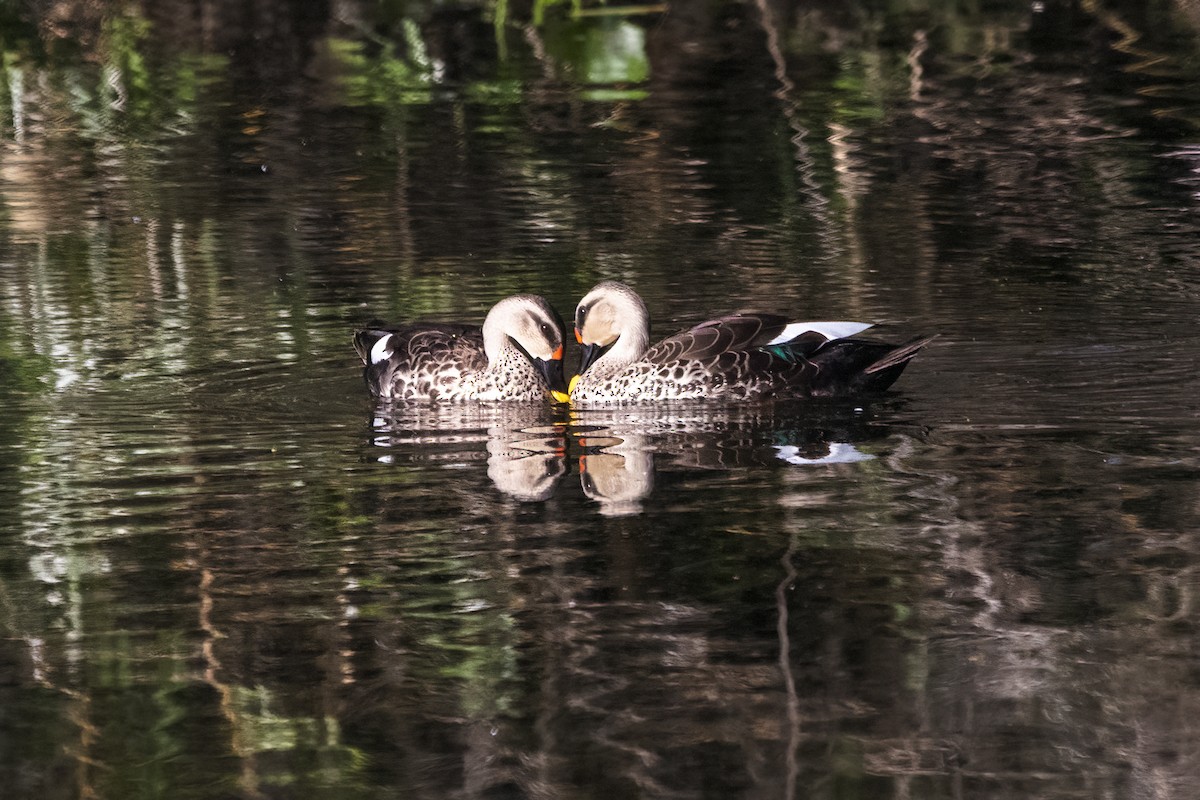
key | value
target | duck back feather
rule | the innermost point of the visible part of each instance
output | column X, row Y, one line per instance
column 421, row 361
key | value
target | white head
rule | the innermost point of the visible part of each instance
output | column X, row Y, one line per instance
column 533, row 325
column 612, row 315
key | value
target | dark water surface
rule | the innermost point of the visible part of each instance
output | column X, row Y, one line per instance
column 224, row 573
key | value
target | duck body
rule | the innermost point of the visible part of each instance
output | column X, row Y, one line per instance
column 731, row 358
column 515, row 355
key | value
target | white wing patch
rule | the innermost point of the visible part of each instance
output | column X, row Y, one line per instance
column 830, row 330
column 379, row 351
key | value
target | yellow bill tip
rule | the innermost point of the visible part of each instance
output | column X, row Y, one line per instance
column 572, row 384
column 560, row 397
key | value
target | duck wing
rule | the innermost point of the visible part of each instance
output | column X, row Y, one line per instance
column 713, row 337
column 730, row 356
column 427, row 342
column 418, row 358
column 788, row 340
column 444, row 345
column 765, row 354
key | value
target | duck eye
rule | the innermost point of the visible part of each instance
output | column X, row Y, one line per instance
column 546, row 328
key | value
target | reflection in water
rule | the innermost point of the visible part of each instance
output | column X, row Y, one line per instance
column 525, row 451
column 617, row 465
column 526, row 468
column 618, row 473
column 834, row 453
column 529, row 449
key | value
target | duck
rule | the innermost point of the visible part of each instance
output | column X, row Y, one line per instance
column 736, row 357
column 515, row 355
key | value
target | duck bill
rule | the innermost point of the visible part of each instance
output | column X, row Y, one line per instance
column 552, row 370
column 589, row 354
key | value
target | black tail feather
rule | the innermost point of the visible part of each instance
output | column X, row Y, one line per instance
column 900, row 356
column 850, row 367
column 366, row 338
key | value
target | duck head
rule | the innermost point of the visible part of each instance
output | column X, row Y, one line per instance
column 529, row 322
column 611, row 317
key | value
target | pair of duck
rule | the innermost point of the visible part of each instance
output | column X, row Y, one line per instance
column 518, row 355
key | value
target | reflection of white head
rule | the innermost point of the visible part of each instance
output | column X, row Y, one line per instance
column 618, row 478
column 526, row 470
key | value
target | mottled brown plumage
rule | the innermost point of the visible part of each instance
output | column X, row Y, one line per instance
column 515, row 355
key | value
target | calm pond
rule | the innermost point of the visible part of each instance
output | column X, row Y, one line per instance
column 226, row 573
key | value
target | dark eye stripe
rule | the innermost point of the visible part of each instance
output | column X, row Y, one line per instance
column 546, row 326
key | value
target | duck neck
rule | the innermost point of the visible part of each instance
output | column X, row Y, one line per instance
column 502, row 354
column 495, row 340
column 628, row 348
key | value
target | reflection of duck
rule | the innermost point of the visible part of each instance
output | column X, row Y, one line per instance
column 625, row 448
column 528, row 469
column 620, row 449
column 734, row 357
column 516, row 355
column 618, row 474
column 525, row 450
column 828, row 453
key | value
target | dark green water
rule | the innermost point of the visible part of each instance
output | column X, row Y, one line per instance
column 225, row 574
